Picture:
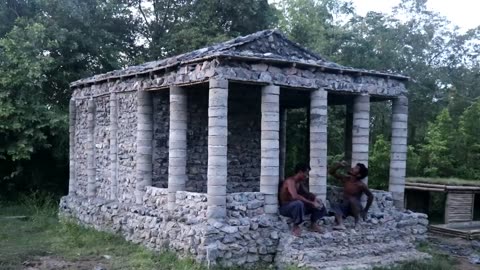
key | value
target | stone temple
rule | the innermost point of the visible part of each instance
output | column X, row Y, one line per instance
column 186, row 154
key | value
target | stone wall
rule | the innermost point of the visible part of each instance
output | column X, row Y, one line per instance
column 244, row 139
column 161, row 113
column 102, row 146
column 197, row 134
column 127, row 128
column 246, row 237
column 81, row 134
column 244, row 124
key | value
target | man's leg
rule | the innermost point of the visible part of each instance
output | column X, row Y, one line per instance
column 341, row 211
column 356, row 209
column 315, row 215
column 296, row 211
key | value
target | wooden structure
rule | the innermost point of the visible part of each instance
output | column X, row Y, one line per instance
column 459, row 205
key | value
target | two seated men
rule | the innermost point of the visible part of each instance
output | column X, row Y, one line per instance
column 295, row 201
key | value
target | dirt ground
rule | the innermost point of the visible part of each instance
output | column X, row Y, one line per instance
column 53, row 262
column 460, row 249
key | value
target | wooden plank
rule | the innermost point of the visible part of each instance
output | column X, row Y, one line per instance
column 424, row 189
column 425, row 185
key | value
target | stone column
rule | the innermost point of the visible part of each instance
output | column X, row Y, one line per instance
column 318, row 143
column 348, row 131
column 361, row 130
column 398, row 157
column 71, row 131
column 91, row 172
column 217, row 148
column 177, row 144
column 283, row 142
column 144, row 144
column 113, row 146
column 270, row 147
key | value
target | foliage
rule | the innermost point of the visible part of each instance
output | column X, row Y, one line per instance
column 45, row 44
column 379, row 164
column 436, row 154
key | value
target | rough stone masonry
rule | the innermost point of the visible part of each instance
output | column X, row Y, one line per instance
column 186, row 153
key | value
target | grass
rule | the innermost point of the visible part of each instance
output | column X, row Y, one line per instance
column 444, row 181
column 75, row 247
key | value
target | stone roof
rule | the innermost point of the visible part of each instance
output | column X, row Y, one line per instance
column 266, row 45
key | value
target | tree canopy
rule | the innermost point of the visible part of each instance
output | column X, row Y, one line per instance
column 45, row 44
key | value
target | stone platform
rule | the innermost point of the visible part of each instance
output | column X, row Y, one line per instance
column 249, row 236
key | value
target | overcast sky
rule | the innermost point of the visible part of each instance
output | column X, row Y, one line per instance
column 464, row 13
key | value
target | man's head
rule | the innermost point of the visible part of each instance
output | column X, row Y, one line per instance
column 301, row 171
column 360, row 171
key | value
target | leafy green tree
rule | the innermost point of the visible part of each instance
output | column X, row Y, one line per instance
column 436, row 152
column 174, row 27
column 469, row 154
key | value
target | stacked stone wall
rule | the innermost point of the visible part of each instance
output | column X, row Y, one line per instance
column 102, row 146
column 127, row 128
column 197, row 132
column 161, row 114
column 244, row 115
column 247, row 236
column 81, row 134
column 244, row 140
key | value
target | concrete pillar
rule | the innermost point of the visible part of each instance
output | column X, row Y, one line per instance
column 71, row 131
column 270, row 147
column 348, row 131
column 318, row 143
column 177, row 144
column 217, row 148
column 91, row 171
column 144, row 144
column 361, row 131
column 113, row 146
column 398, row 157
column 283, row 142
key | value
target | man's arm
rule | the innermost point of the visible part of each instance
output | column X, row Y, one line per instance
column 333, row 171
column 293, row 192
column 369, row 198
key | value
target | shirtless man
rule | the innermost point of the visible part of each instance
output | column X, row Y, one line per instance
column 295, row 202
column 353, row 188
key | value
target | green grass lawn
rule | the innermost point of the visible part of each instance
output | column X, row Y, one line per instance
column 41, row 238
column 444, row 181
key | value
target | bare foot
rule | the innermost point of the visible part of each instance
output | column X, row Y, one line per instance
column 296, row 231
column 316, row 228
column 339, row 227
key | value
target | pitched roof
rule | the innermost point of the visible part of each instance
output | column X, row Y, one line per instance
column 266, row 45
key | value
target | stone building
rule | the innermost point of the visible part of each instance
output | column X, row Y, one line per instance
column 186, row 153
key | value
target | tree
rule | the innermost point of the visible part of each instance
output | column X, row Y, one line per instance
column 469, row 153
column 174, row 27
column 436, row 152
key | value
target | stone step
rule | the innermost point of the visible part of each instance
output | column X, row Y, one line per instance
column 368, row 262
column 349, row 237
column 343, row 252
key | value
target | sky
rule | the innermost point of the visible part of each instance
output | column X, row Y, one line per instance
column 463, row 13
